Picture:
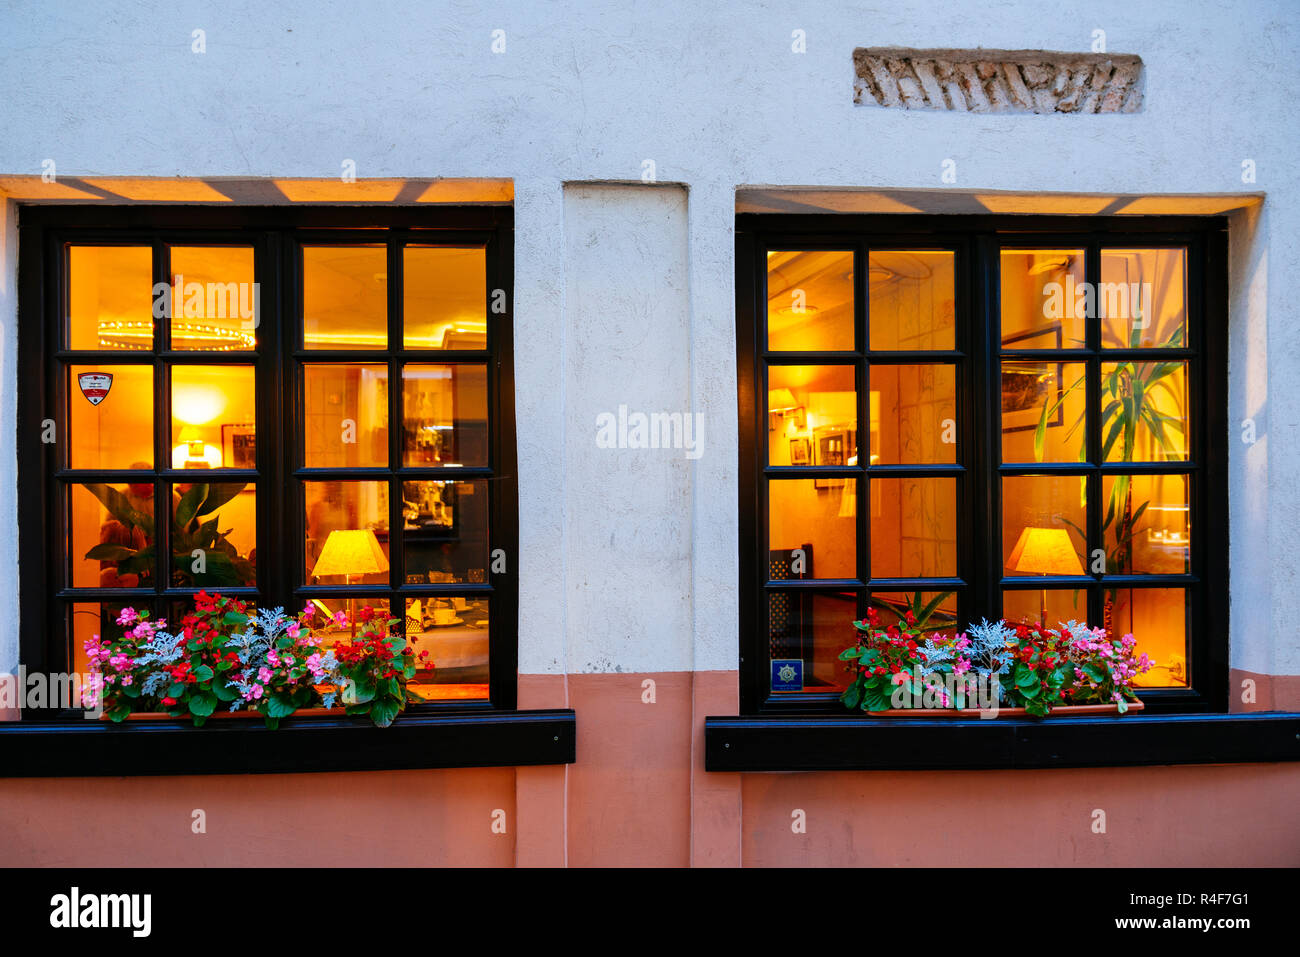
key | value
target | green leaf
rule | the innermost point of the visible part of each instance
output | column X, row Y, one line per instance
column 203, row 673
column 272, row 723
column 219, row 495
column 189, row 504
column 203, row 704
column 280, row 706
column 851, row 654
column 874, row 699
column 924, row 614
column 225, row 693
column 109, row 553
column 1122, row 705
column 234, row 618
column 852, row 695
column 384, row 711
column 176, row 690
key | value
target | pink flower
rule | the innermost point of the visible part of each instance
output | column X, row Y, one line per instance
column 264, row 675
column 255, row 693
column 273, row 658
column 292, row 630
column 340, row 618
column 127, row 616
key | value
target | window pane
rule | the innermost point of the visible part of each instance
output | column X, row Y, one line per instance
column 214, row 535
column 912, row 300
column 347, row 533
column 1144, row 411
column 1146, row 524
column 1062, row 605
column 445, row 297
column 810, row 301
column 893, row 606
column 90, row 619
column 110, row 417
column 1043, row 518
column 1142, row 299
column 327, row 627
column 446, row 531
column 112, row 535
column 214, row 417
column 913, row 527
column 806, row 514
column 110, row 297
column 1157, row 618
column 1044, row 299
column 345, row 297
column 346, row 416
column 810, row 629
column 913, row 414
column 214, row 298
column 450, row 639
column 445, row 409
column 809, row 409
column 1030, row 389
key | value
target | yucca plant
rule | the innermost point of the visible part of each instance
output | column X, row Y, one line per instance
column 1128, row 401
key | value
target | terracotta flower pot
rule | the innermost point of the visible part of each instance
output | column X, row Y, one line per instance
column 1065, row 711
column 229, row 715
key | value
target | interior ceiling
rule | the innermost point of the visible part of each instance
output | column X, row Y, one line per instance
column 259, row 192
column 827, row 279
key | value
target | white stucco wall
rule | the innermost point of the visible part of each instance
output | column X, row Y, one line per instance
column 714, row 96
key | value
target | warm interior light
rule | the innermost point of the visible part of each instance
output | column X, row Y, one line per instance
column 1044, row 551
column 198, row 404
column 351, row 551
column 781, row 400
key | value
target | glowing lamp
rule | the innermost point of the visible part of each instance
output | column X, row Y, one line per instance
column 1044, row 551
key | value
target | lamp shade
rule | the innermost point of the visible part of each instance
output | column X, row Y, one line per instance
column 781, row 400
column 1045, row 551
column 351, row 551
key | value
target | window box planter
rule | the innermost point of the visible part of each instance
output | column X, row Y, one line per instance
column 233, row 715
column 1064, row 711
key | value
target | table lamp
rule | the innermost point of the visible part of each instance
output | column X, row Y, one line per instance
column 1044, row 551
column 348, row 552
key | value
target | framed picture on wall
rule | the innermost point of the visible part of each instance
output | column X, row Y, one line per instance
column 833, row 448
column 799, row 451
column 1027, row 385
column 239, row 446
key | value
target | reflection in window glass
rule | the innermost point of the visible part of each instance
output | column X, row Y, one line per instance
column 804, row 514
column 214, row 535
column 346, row 415
column 110, row 417
column 215, row 299
column 445, row 415
column 912, row 299
column 214, row 417
column 444, row 297
column 110, row 298
column 810, row 301
column 450, row 638
column 1142, row 298
column 446, row 531
column 347, row 533
column 812, row 415
column 345, row 297
column 913, row 527
column 1044, row 299
column 914, row 414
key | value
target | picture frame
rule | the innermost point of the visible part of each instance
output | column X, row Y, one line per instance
column 800, row 451
column 832, row 448
column 239, row 446
column 1025, row 390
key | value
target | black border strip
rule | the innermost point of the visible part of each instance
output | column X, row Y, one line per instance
column 413, row 741
column 940, row 744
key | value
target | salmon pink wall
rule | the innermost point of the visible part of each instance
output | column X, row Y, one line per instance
column 638, row 795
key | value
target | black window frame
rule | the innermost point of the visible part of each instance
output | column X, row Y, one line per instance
column 277, row 235
column 976, row 240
